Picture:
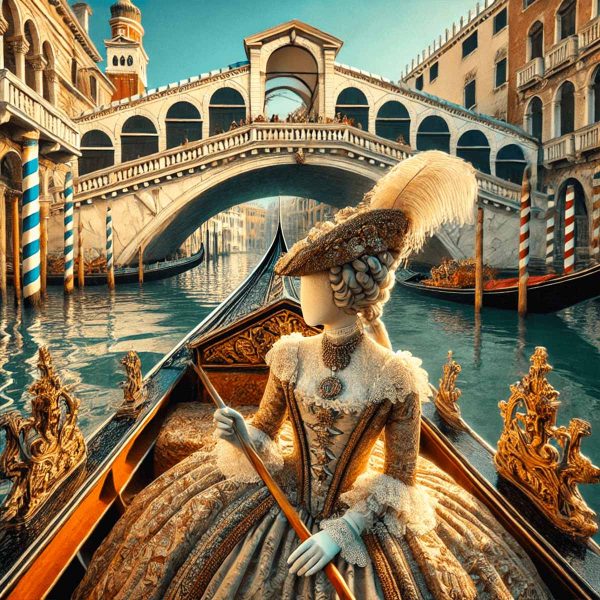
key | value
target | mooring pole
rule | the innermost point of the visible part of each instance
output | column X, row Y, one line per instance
column 16, row 240
column 524, row 242
column 140, row 265
column 596, row 215
column 3, row 243
column 550, row 224
column 479, row 261
column 110, row 268
column 69, row 281
column 80, row 253
column 44, row 216
column 569, row 261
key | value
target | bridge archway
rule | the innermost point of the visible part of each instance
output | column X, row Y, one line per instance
column 433, row 134
column 226, row 106
column 393, row 122
column 474, row 147
column 183, row 124
column 139, row 137
column 353, row 104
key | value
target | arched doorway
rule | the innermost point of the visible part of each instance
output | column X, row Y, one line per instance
column 292, row 79
column 433, row 134
column 393, row 122
column 11, row 176
column 138, row 138
column 183, row 124
column 582, row 232
column 510, row 163
column 352, row 104
column 97, row 152
column 474, row 147
column 226, row 107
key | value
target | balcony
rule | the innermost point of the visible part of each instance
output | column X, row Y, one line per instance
column 533, row 71
column 587, row 138
column 561, row 148
column 27, row 109
column 589, row 36
column 562, row 54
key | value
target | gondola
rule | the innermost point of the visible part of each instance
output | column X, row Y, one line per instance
column 152, row 272
column 48, row 557
column 544, row 295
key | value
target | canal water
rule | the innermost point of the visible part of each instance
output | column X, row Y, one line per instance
column 90, row 332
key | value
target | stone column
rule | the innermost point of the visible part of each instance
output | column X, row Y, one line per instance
column 256, row 98
column 52, row 78
column 3, row 243
column 326, row 83
column 20, row 47
column 38, row 64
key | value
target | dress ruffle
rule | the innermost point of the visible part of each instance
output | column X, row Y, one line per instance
column 282, row 358
column 233, row 463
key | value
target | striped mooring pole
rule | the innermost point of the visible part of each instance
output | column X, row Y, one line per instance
column 550, row 216
column 69, row 237
column 110, row 267
column 596, row 215
column 524, row 241
column 31, row 220
column 569, row 261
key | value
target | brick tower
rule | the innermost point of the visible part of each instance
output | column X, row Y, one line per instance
column 126, row 59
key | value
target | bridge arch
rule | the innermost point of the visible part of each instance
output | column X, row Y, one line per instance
column 139, row 137
column 183, row 122
column 474, row 147
column 393, row 121
column 97, row 151
column 352, row 102
column 433, row 133
column 226, row 105
column 510, row 163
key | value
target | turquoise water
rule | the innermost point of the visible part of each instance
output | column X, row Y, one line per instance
column 90, row 332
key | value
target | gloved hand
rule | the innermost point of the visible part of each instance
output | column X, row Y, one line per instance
column 225, row 420
column 313, row 554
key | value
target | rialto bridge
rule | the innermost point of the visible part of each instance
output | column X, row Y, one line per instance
column 173, row 157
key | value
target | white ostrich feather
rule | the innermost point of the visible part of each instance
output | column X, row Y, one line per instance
column 430, row 188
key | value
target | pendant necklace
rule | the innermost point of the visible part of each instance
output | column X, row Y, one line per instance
column 337, row 357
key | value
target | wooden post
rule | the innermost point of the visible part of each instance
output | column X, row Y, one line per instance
column 479, row 261
column 110, row 266
column 44, row 215
column 16, row 240
column 80, row 253
column 140, row 265
column 524, row 242
column 3, row 243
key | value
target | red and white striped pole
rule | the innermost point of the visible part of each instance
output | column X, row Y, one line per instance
column 569, row 263
column 550, row 216
column 524, row 241
column 596, row 215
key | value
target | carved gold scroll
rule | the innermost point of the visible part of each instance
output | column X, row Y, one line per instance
column 134, row 392
column 544, row 460
column 41, row 450
column 446, row 399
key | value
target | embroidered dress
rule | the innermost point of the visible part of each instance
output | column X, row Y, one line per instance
column 209, row 528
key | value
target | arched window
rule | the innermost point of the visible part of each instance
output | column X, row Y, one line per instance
column 510, row 163
column 474, row 147
column 353, row 105
column 97, row 152
column 535, row 118
column 11, row 16
column 129, row 60
column 184, row 124
column 566, row 21
column 595, row 97
column 565, row 109
column 535, row 41
column 138, row 138
column 122, row 61
column 47, row 90
column 226, row 106
column 433, row 134
column 393, row 122
column 115, row 61
column 31, row 35
column 93, row 88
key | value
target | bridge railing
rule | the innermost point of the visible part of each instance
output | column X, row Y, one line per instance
column 260, row 134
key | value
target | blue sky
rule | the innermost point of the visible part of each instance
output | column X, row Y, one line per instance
column 189, row 37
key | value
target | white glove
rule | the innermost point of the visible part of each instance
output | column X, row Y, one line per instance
column 313, row 554
column 226, row 419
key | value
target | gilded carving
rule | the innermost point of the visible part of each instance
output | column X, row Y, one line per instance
column 250, row 346
column 134, row 392
column 446, row 399
column 544, row 460
column 43, row 449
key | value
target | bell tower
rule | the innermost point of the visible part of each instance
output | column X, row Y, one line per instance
column 126, row 59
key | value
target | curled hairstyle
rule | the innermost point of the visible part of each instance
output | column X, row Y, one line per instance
column 363, row 286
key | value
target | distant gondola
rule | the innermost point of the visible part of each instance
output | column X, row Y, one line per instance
column 544, row 294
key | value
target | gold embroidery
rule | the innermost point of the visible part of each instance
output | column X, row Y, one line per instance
column 382, row 568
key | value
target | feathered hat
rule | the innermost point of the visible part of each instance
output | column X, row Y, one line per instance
column 406, row 205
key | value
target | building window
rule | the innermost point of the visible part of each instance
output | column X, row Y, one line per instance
column 500, row 72
column 93, row 88
column 565, row 19
column 419, row 82
column 122, row 61
column 433, row 71
column 469, row 45
column 74, row 70
column 130, row 60
column 566, row 108
column 470, row 94
column 115, row 61
column 535, row 116
column 500, row 21
column 536, row 41
column 596, row 97
column 353, row 104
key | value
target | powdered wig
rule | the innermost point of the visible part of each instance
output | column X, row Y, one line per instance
column 363, row 286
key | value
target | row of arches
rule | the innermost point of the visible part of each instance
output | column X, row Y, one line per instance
column 564, row 109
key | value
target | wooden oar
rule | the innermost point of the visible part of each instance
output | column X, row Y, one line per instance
column 340, row 586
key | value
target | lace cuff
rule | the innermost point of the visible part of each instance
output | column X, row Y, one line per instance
column 353, row 549
column 401, row 506
column 232, row 461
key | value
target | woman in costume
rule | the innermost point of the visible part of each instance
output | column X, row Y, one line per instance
column 395, row 525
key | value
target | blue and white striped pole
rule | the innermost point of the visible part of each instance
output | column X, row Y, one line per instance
column 110, row 267
column 31, row 220
column 69, row 237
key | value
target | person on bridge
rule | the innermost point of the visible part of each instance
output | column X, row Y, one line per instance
column 394, row 524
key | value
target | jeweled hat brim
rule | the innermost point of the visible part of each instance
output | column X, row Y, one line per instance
column 368, row 232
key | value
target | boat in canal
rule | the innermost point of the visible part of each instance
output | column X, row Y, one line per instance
column 168, row 415
column 545, row 293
